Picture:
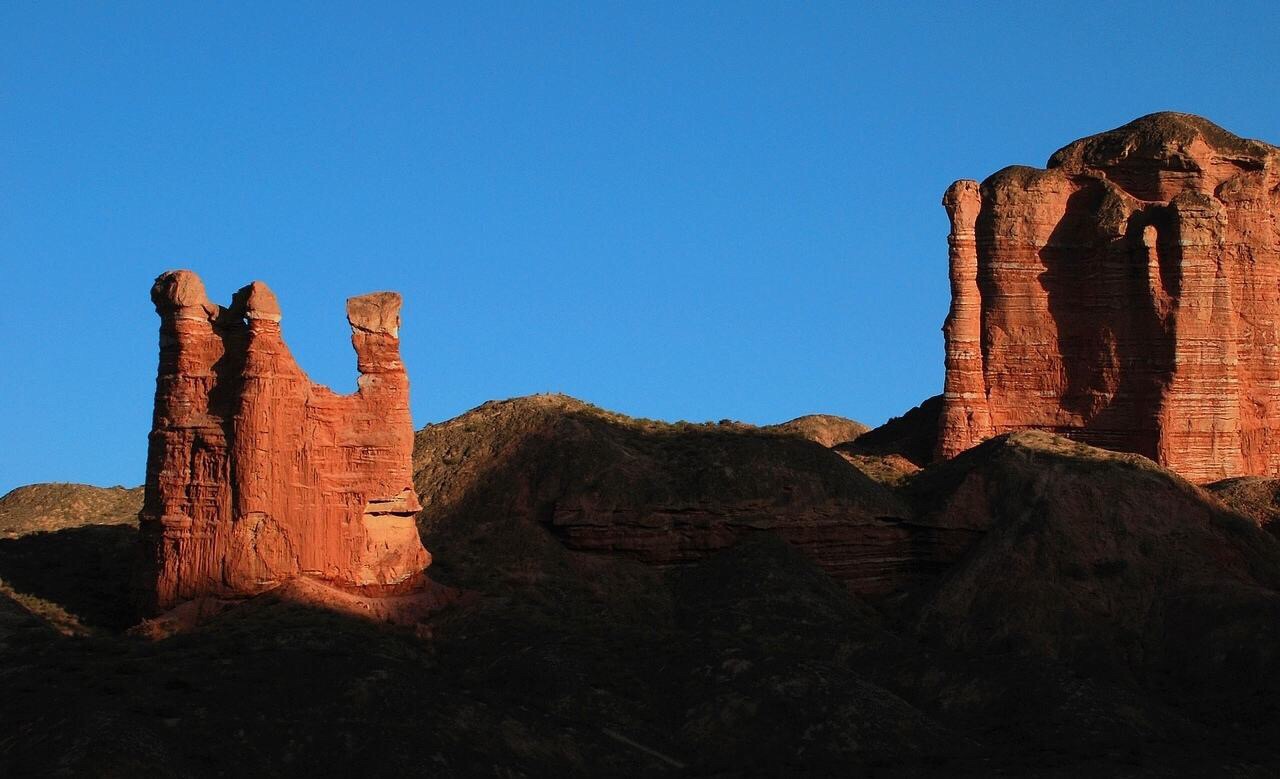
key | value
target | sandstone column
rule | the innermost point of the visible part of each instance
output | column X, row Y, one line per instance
column 1200, row 418
column 966, row 419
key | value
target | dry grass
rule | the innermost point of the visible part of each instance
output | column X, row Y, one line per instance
column 47, row 611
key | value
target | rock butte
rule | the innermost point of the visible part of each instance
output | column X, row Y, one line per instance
column 255, row 475
column 1126, row 296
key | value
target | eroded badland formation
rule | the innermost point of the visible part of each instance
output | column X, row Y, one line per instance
column 959, row 592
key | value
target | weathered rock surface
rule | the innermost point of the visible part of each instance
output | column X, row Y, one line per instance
column 662, row 494
column 1127, row 296
column 255, row 475
column 38, row 508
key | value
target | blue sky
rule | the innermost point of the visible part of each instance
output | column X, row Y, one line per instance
column 674, row 210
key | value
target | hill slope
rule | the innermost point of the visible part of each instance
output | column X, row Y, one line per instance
column 659, row 493
column 53, row 506
column 638, row 610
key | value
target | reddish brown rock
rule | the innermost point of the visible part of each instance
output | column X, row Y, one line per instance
column 1127, row 296
column 255, row 475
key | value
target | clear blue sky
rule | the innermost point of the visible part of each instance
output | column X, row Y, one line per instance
column 675, row 210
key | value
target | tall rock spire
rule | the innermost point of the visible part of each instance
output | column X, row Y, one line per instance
column 255, row 475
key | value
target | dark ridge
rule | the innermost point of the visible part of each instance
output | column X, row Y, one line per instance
column 914, row 435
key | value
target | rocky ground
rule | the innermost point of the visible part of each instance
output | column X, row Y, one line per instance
column 694, row 600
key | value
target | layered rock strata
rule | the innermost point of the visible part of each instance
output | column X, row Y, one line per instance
column 1126, row 296
column 255, row 475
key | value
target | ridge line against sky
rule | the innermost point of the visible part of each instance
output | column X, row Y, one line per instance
column 706, row 212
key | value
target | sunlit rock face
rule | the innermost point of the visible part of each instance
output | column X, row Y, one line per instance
column 255, row 475
column 1125, row 296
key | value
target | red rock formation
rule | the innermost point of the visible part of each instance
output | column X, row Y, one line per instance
column 1127, row 296
column 256, row 476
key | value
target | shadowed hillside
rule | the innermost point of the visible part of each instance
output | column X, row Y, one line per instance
column 654, row 492
column 657, row 600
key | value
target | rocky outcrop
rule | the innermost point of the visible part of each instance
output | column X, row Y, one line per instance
column 1126, row 296
column 255, row 475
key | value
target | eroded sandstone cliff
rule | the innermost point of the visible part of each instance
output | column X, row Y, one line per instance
column 255, row 475
column 1125, row 296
